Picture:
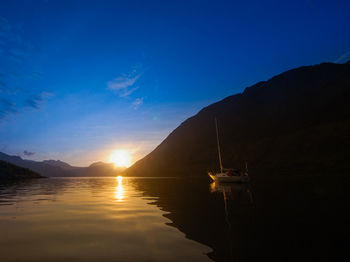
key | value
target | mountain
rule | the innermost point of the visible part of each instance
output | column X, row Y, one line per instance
column 107, row 169
column 59, row 163
column 99, row 164
column 10, row 171
column 57, row 168
column 295, row 123
column 42, row 168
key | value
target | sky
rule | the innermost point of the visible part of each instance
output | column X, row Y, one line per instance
column 80, row 79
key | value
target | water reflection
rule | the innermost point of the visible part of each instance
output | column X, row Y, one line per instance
column 240, row 192
column 123, row 219
column 282, row 219
column 81, row 221
column 119, row 190
column 235, row 196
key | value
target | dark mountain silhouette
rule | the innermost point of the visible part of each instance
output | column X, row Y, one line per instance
column 98, row 164
column 59, row 163
column 295, row 123
column 10, row 171
column 101, row 169
column 42, row 168
column 59, row 168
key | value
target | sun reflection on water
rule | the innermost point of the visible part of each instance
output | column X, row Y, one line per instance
column 119, row 190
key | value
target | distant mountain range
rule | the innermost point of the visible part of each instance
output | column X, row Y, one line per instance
column 295, row 123
column 59, row 168
column 9, row 172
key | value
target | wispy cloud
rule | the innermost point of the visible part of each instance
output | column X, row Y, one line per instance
column 25, row 153
column 345, row 57
column 7, row 107
column 128, row 91
column 124, row 84
column 36, row 101
column 28, row 153
column 16, row 56
column 12, row 44
column 137, row 102
column 2, row 86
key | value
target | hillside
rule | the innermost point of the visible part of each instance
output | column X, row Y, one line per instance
column 295, row 123
column 10, row 171
column 57, row 168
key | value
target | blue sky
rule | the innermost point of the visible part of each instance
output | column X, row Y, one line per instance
column 79, row 79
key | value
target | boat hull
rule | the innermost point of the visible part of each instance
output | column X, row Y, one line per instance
column 224, row 178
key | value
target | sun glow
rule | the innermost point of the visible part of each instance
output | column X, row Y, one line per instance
column 119, row 190
column 121, row 158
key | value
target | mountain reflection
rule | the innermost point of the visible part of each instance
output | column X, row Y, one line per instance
column 138, row 219
column 279, row 218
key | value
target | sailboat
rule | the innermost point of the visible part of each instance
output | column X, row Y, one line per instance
column 229, row 175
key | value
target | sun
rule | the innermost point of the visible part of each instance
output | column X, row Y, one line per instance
column 121, row 158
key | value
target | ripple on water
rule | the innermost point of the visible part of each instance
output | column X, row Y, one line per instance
column 88, row 219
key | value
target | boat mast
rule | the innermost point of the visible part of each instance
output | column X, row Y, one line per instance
column 217, row 140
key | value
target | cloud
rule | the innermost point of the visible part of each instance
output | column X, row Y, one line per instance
column 36, row 101
column 12, row 42
column 138, row 102
column 15, row 49
column 16, row 55
column 345, row 57
column 123, row 85
column 7, row 107
column 126, row 92
column 122, row 82
column 2, row 87
column 28, row 153
column 33, row 102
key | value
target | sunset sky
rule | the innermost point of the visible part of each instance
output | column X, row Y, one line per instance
column 79, row 79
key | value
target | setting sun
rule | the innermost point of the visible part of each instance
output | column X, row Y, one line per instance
column 120, row 158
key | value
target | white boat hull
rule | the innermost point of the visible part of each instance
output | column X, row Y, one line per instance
column 224, row 178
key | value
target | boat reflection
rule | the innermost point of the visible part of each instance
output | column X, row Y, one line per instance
column 236, row 192
column 236, row 196
column 269, row 219
column 119, row 190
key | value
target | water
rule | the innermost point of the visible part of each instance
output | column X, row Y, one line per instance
column 88, row 219
column 170, row 219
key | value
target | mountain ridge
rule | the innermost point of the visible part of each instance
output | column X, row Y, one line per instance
column 298, row 108
column 58, row 168
column 9, row 171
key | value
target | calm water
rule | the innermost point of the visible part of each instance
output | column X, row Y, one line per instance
column 88, row 219
column 134, row 219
